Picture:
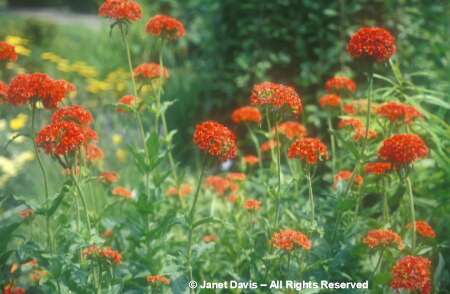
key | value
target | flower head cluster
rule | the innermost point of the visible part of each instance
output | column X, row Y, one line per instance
column 12, row 289
column 412, row 273
column 424, row 229
column 341, row 86
column 236, row 176
column 290, row 239
column 94, row 153
column 276, row 95
column 210, row 238
column 358, row 127
column 27, row 88
column 127, row 102
column 398, row 112
column 158, row 279
column 269, row 145
column 216, row 139
column 122, row 192
column 166, row 27
column 378, row 168
column 403, row 149
column 359, row 106
column 345, row 176
column 372, row 42
column 121, row 10
column 151, row 71
column 109, row 177
column 292, row 130
column 246, row 114
column 310, row 150
column 251, row 159
column 182, row 191
column 383, row 238
column 74, row 113
column 221, row 185
column 252, row 204
column 330, row 100
column 3, row 91
column 7, row 52
column 103, row 253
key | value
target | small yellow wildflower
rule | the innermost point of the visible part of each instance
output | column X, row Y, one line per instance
column 19, row 122
column 121, row 155
column 117, row 139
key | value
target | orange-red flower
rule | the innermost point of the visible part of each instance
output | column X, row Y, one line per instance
column 121, row 10
column 75, row 113
column 183, row 191
column 345, row 176
column 290, row 239
column 151, row 71
column 26, row 213
column 269, row 145
column 94, row 152
column 28, row 88
column 251, row 159
column 3, row 91
column 221, row 185
column 424, row 229
column 103, row 253
column 216, row 139
column 166, row 27
column 372, row 42
column 153, row 279
column 403, row 149
column 210, row 238
column 233, row 198
column 360, row 133
column 378, row 168
column 7, row 52
column 412, row 273
column 126, row 102
column 12, row 289
column 330, row 100
column 109, row 177
column 252, row 204
column 292, row 130
column 341, row 86
column 246, row 114
column 395, row 111
column 122, row 192
column 383, row 238
column 350, row 122
column 64, row 137
column 38, row 274
column 276, row 95
column 310, row 150
column 237, row 177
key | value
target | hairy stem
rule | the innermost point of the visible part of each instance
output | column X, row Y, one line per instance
column 333, row 145
column 311, row 195
column 412, row 211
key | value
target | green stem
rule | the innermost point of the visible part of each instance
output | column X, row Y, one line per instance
column 386, row 216
column 44, row 178
column 377, row 266
column 311, row 195
column 83, row 202
column 412, row 211
column 277, row 212
column 333, row 145
column 256, row 142
column 192, row 218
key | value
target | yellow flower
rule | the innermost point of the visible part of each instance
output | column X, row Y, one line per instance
column 19, row 44
column 50, row 56
column 96, row 86
column 121, row 155
column 84, row 69
column 64, row 66
column 117, row 139
column 18, row 122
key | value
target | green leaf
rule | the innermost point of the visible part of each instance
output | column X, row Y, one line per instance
column 206, row 220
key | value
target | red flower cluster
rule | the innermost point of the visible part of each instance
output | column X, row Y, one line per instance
column 292, row 130
column 395, row 111
column 126, row 102
column 182, row 191
column 151, row 71
column 237, row 177
column 330, row 100
column 166, row 27
column 290, row 239
column 383, row 238
column 403, row 149
column 94, row 152
column 372, row 42
column 221, row 185
column 424, row 229
column 346, row 175
column 252, row 204
column 74, row 113
column 158, row 279
column 277, row 95
column 412, row 273
column 269, row 145
column 377, row 168
column 122, row 192
column 310, row 150
column 121, row 10
column 341, row 86
column 109, row 177
column 251, row 159
column 12, row 289
column 359, row 106
column 3, row 91
column 358, row 127
column 7, row 52
column 27, row 88
column 103, row 253
column 64, row 137
column 216, row 139
column 246, row 114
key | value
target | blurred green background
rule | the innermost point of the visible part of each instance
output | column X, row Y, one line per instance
column 233, row 44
